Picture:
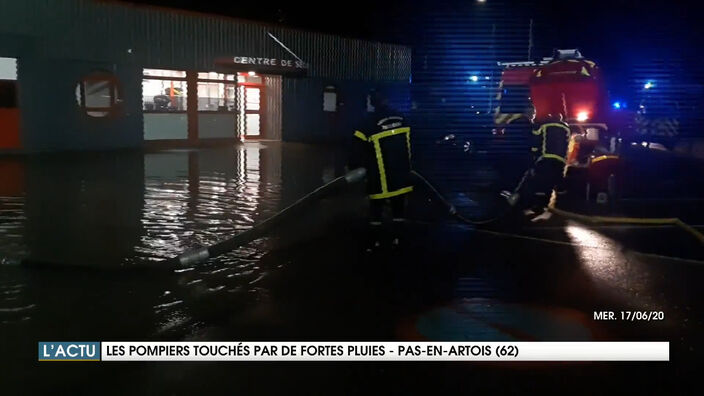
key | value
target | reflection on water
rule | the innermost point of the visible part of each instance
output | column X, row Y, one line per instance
column 605, row 260
column 11, row 220
column 191, row 199
column 114, row 211
column 12, row 215
column 602, row 256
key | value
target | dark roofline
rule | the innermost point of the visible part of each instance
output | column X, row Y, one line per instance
column 192, row 13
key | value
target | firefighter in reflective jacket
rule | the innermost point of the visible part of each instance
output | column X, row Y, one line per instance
column 549, row 149
column 382, row 144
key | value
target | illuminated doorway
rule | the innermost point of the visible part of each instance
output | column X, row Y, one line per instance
column 251, row 90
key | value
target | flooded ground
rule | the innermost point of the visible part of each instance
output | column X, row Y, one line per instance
column 93, row 228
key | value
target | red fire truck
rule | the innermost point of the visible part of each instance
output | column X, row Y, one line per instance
column 569, row 85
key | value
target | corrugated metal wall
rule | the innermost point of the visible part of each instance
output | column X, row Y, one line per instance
column 104, row 31
column 274, row 108
column 305, row 120
column 302, row 119
column 52, row 120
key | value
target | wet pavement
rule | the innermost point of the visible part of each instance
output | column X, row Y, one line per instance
column 92, row 223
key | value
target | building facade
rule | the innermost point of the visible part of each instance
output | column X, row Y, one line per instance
column 91, row 75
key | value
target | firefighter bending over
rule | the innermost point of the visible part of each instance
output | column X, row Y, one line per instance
column 549, row 149
column 382, row 144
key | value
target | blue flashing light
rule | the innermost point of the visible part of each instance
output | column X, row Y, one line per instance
column 617, row 105
column 649, row 85
column 474, row 78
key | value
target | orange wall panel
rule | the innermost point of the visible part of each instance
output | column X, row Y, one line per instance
column 11, row 178
column 9, row 128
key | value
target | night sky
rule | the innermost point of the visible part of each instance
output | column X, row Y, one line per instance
column 628, row 19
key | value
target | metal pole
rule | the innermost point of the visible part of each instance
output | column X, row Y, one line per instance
column 530, row 38
column 493, row 67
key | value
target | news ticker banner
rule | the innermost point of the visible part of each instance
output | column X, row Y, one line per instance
column 354, row 351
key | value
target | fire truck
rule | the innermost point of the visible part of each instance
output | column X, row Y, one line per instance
column 570, row 86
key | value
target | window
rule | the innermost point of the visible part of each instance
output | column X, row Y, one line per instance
column 164, row 91
column 252, row 125
column 98, row 94
column 252, row 98
column 216, row 96
column 216, row 76
column 8, row 68
column 330, row 99
column 249, row 78
column 216, row 92
column 164, row 73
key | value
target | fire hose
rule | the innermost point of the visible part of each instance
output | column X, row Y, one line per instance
column 200, row 254
column 197, row 255
column 628, row 220
column 569, row 215
column 451, row 208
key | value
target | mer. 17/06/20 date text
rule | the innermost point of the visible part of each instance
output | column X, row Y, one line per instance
column 631, row 316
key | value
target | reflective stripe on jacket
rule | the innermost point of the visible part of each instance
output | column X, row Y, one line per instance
column 386, row 151
column 553, row 141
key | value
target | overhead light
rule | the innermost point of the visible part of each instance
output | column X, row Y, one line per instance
column 582, row 116
column 252, row 73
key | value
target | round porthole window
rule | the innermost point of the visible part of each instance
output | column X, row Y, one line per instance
column 98, row 94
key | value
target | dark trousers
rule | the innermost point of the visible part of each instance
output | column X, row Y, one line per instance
column 398, row 208
column 376, row 212
column 537, row 184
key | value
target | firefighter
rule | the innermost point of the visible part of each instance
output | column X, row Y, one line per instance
column 549, row 149
column 382, row 144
